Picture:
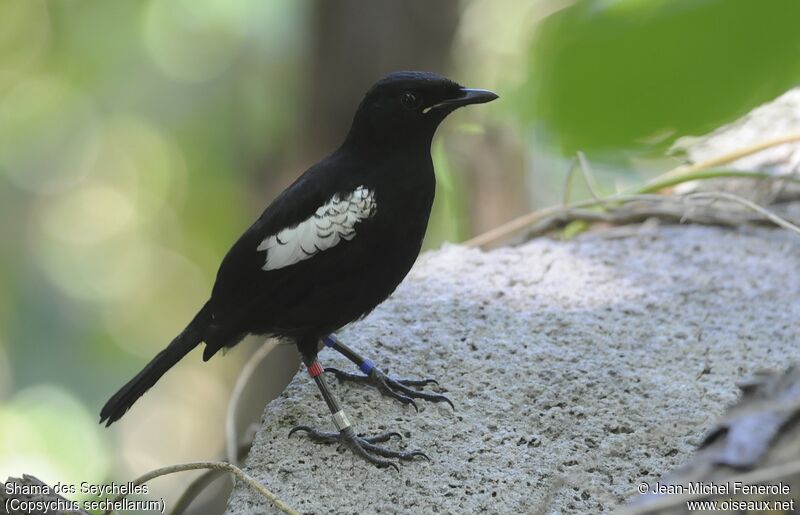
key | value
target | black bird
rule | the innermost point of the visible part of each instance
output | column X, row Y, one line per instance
column 330, row 248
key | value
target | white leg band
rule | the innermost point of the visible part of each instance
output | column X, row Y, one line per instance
column 340, row 420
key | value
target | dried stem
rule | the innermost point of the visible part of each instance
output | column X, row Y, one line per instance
column 681, row 174
column 730, row 157
column 772, row 217
column 214, row 465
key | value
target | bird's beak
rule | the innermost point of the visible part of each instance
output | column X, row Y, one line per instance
column 467, row 96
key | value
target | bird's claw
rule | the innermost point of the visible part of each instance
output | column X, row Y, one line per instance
column 395, row 388
column 363, row 446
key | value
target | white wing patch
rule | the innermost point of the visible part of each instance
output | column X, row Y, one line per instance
column 331, row 223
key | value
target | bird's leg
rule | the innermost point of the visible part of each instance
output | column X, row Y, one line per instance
column 362, row 446
column 396, row 388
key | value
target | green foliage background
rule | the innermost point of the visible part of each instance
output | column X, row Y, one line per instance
column 605, row 75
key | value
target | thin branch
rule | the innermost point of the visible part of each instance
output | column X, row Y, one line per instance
column 784, row 180
column 568, row 181
column 214, row 465
column 536, row 216
column 669, row 209
column 661, row 183
column 730, row 157
column 195, row 488
column 675, row 176
column 777, row 220
column 588, row 176
column 232, row 444
column 579, row 162
column 509, row 228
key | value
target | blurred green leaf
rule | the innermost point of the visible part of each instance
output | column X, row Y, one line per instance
column 630, row 73
column 47, row 432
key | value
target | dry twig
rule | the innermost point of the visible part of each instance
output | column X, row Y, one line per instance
column 678, row 175
column 777, row 220
column 730, row 157
column 214, row 465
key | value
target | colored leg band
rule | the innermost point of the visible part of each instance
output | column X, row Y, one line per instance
column 329, row 341
column 315, row 369
column 367, row 366
column 340, row 421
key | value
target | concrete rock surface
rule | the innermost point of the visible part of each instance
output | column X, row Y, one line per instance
column 579, row 369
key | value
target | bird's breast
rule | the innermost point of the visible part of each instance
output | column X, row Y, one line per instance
column 402, row 224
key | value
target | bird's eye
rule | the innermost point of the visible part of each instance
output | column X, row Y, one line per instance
column 409, row 100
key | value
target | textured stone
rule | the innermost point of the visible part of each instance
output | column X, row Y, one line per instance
column 578, row 369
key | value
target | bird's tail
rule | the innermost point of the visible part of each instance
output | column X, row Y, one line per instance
column 189, row 338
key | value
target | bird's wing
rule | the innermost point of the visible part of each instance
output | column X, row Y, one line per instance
column 258, row 265
column 332, row 222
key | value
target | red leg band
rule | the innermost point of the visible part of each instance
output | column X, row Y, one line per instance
column 315, row 369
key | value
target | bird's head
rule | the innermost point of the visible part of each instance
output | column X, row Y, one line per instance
column 409, row 106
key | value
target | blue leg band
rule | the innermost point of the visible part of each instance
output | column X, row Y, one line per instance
column 367, row 366
column 329, row 340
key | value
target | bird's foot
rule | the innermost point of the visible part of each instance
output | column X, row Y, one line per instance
column 396, row 388
column 363, row 446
